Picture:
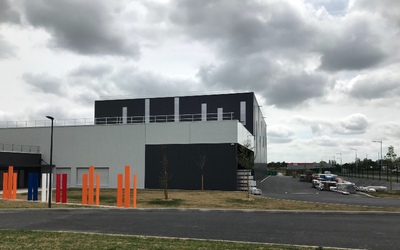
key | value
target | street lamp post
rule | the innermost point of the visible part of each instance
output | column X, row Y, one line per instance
column 355, row 162
column 380, row 170
column 341, row 169
column 51, row 157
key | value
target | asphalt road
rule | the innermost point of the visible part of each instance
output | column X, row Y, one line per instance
column 286, row 187
column 348, row 230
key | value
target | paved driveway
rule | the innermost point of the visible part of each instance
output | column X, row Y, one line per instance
column 286, row 187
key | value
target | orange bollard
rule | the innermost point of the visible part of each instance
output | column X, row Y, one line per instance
column 84, row 189
column 10, row 182
column 97, row 189
column 127, row 186
column 134, row 190
column 5, row 186
column 119, row 191
column 91, row 184
column 14, row 196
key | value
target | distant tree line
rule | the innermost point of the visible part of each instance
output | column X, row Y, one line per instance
column 277, row 165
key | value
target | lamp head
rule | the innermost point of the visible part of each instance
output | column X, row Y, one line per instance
column 49, row 117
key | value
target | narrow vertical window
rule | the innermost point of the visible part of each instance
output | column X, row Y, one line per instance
column 204, row 112
column 220, row 111
column 147, row 110
column 243, row 112
column 176, row 108
column 124, row 114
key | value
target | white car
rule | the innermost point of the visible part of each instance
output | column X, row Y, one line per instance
column 255, row 191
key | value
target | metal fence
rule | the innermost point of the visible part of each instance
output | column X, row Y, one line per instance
column 388, row 172
column 118, row 120
column 19, row 148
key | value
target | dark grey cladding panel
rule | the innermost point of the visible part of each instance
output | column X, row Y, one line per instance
column 187, row 105
column 229, row 103
column 19, row 159
column 113, row 108
column 162, row 106
column 220, row 169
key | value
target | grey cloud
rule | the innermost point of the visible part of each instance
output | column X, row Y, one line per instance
column 95, row 71
column 284, row 88
column 391, row 130
column 351, row 54
column 388, row 9
column 353, row 124
column 245, row 27
column 280, row 135
column 249, row 72
column 84, row 27
column 102, row 80
column 295, row 89
column 44, row 83
column 325, row 141
column 141, row 83
column 357, row 47
column 316, row 129
column 376, row 85
column 6, row 50
column 8, row 14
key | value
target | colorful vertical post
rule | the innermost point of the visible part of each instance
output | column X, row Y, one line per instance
column 30, row 186
column 35, row 186
column 64, row 188
column 97, row 189
column 10, row 182
column 84, row 189
column 127, row 190
column 134, row 190
column 14, row 192
column 44, row 187
column 91, row 184
column 58, row 188
column 119, row 191
column 5, row 185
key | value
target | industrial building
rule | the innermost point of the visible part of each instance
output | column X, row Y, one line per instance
column 139, row 133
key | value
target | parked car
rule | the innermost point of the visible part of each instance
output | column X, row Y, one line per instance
column 255, row 191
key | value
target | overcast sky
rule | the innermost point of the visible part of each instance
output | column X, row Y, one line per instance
column 326, row 72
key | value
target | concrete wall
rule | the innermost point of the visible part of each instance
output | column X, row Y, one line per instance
column 110, row 147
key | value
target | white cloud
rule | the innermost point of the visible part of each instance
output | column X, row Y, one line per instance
column 280, row 134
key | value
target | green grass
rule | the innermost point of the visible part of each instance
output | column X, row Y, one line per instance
column 387, row 194
column 167, row 203
column 67, row 240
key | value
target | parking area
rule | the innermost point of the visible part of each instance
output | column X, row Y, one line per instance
column 286, row 187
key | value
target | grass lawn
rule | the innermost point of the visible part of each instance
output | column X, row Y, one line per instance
column 66, row 240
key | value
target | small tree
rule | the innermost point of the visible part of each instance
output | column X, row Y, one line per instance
column 201, row 161
column 246, row 160
column 391, row 155
column 164, row 178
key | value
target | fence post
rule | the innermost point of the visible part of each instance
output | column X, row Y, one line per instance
column 127, row 186
column 119, row 191
column 84, row 189
column 64, row 188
